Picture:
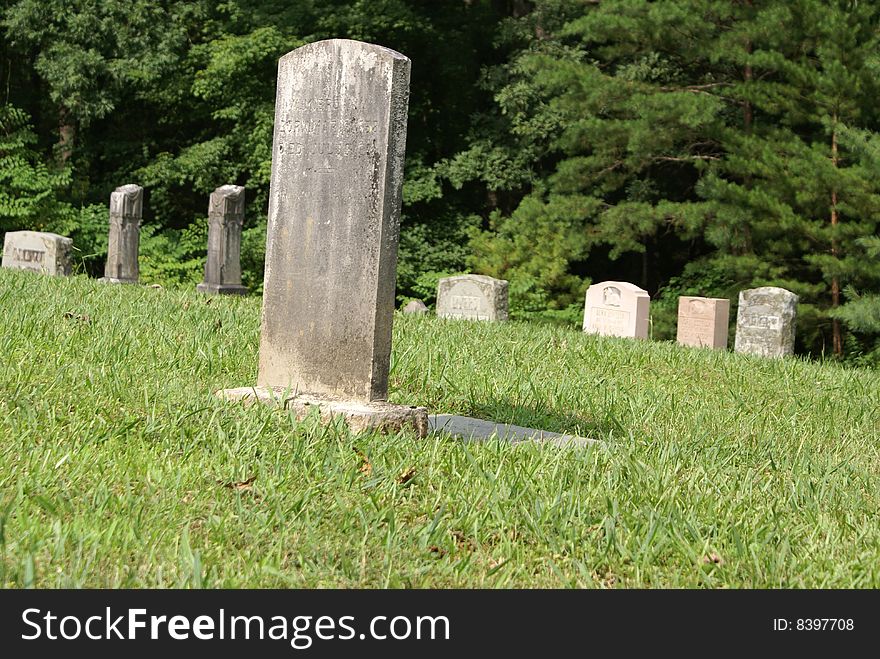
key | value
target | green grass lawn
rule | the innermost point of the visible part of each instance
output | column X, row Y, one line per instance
column 118, row 467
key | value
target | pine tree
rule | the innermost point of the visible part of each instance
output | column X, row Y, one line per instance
column 709, row 137
column 605, row 122
column 791, row 198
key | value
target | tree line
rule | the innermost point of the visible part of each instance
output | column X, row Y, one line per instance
column 688, row 146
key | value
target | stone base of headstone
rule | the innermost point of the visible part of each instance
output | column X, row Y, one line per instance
column 359, row 416
column 222, row 289
column 115, row 280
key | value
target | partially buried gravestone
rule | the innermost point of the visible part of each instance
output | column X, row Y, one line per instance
column 702, row 322
column 765, row 322
column 472, row 297
column 331, row 248
column 223, row 265
column 415, row 307
column 37, row 251
column 123, row 244
column 617, row 308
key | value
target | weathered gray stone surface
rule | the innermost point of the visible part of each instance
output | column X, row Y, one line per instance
column 471, row 429
column 359, row 416
column 334, row 216
column 331, row 245
column 225, row 219
column 765, row 322
column 703, row 322
column 126, row 210
column 617, row 308
column 37, row 251
column 472, row 297
column 415, row 307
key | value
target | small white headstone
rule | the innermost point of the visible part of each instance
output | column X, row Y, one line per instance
column 617, row 308
column 416, row 307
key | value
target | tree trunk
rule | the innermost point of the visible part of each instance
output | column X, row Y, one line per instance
column 66, row 135
column 513, row 8
column 520, row 8
column 835, row 250
column 747, row 106
column 492, row 199
column 748, row 118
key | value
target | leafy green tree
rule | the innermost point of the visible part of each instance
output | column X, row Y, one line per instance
column 90, row 53
column 29, row 189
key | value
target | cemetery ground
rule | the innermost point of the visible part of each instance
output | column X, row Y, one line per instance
column 119, row 468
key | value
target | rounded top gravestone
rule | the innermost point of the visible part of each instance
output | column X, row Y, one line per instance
column 617, row 308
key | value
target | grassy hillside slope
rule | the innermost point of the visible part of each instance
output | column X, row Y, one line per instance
column 119, row 468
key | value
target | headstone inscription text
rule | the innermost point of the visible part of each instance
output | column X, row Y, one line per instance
column 34, row 256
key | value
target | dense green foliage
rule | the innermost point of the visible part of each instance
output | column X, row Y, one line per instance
column 118, row 466
column 688, row 146
column 29, row 190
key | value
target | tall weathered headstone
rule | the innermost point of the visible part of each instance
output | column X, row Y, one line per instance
column 334, row 221
column 126, row 210
column 765, row 322
column 703, row 321
column 472, row 297
column 617, row 308
column 225, row 219
column 38, row 251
